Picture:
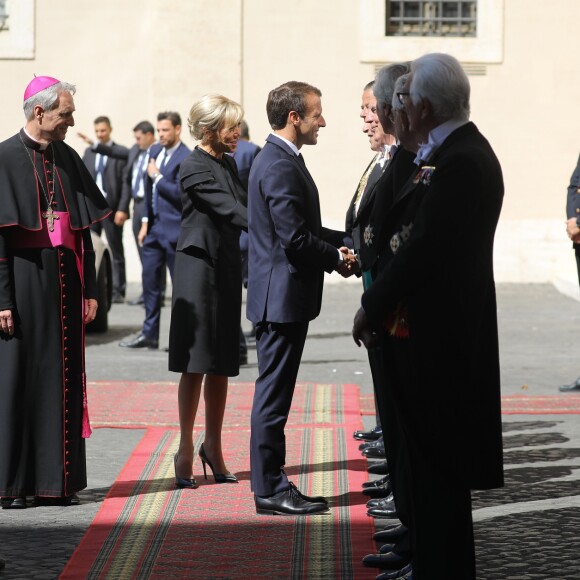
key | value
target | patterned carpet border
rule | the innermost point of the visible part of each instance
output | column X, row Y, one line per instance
column 514, row 405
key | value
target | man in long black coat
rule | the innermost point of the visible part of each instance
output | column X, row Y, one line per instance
column 434, row 303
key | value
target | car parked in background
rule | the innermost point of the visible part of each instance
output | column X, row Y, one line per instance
column 104, row 267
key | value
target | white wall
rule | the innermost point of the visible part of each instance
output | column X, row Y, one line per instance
column 134, row 58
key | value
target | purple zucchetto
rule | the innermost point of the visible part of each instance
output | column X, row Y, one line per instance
column 38, row 84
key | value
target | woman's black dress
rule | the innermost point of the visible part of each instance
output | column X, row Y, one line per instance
column 207, row 288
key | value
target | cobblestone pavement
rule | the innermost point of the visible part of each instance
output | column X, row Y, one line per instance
column 527, row 530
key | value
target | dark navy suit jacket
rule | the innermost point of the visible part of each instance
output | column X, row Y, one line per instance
column 168, row 190
column 289, row 250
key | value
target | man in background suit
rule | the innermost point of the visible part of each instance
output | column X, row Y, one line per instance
column 134, row 183
column 160, row 227
column 433, row 304
column 108, row 174
column 289, row 251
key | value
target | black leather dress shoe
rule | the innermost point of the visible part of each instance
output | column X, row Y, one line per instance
column 13, row 503
column 136, row 301
column 390, row 533
column 118, row 299
column 376, row 482
column 379, row 468
column 371, row 435
column 378, row 491
column 287, row 503
column 389, row 511
column 140, row 341
column 388, row 561
column 385, row 548
column 381, row 502
column 375, row 452
column 313, row 499
column 405, row 573
column 575, row 386
column 376, row 443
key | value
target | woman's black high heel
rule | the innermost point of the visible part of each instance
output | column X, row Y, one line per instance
column 180, row 481
column 219, row 477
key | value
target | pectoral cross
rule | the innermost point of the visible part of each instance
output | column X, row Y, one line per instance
column 50, row 216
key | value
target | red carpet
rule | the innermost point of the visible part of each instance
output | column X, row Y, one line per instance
column 515, row 405
column 147, row 529
column 538, row 405
column 134, row 404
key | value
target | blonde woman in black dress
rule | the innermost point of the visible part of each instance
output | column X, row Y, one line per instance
column 205, row 314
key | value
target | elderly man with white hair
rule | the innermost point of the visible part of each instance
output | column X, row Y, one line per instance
column 433, row 306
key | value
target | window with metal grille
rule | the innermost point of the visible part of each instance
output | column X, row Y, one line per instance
column 431, row 18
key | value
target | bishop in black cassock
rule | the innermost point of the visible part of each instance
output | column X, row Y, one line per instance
column 48, row 293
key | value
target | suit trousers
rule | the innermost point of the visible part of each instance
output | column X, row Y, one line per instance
column 279, row 348
column 158, row 253
column 114, row 235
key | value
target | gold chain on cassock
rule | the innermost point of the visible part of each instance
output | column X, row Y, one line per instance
column 49, row 214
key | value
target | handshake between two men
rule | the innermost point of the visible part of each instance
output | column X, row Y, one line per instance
column 349, row 264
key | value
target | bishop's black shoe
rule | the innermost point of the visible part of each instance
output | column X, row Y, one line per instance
column 13, row 503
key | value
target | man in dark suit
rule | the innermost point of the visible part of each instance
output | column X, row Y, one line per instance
column 108, row 173
column 433, row 302
column 160, row 227
column 134, row 185
column 573, row 231
column 289, row 251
